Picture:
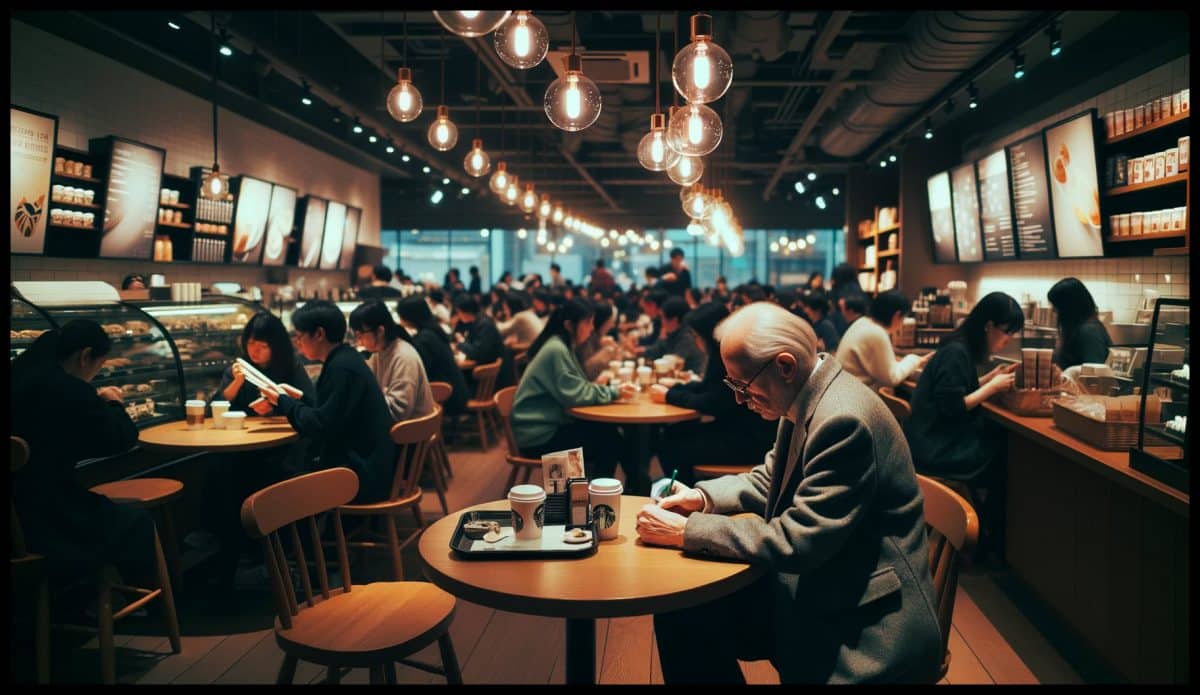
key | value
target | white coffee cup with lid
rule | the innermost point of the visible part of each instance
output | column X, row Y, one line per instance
column 528, row 511
column 605, row 497
column 194, row 410
column 219, row 408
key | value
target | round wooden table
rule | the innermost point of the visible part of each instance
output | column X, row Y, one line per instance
column 259, row 433
column 639, row 415
column 624, row 577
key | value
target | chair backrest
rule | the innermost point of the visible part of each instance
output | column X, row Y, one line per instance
column 485, row 379
column 18, row 456
column 953, row 529
column 521, row 361
column 504, row 405
column 899, row 407
column 413, row 438
column 266, row 513
column 441, row 391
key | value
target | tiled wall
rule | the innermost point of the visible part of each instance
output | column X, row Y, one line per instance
column 1118, row 283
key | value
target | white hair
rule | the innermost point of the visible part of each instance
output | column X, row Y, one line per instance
column 767, row 330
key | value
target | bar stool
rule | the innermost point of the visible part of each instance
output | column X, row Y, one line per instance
column 155, row 496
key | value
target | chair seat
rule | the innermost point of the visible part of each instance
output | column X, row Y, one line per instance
column 381, row 507
column 717, row 470
column 377, row 621
column 475, row 404
column 521, row 461
column 145, row 493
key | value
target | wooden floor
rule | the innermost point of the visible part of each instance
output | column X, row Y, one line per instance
column 229, row 639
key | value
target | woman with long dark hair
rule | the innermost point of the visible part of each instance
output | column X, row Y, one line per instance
column 394, row 361
column 433, row 345
column 844, row 283
column 947, row 432
column 553, row 382
column 265, row 343
column 600, row 348
column 1081, row 336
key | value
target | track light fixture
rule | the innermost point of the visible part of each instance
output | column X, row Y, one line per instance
column 928, row 129
column 1018, row 59
column 972, row 95
column 1055, row 35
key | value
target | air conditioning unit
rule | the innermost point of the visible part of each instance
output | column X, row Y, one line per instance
column 607, row 67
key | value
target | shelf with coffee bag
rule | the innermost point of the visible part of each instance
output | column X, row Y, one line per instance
column 75, row 211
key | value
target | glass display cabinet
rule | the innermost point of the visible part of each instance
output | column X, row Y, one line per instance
column 27, row 322
column 1164, row 438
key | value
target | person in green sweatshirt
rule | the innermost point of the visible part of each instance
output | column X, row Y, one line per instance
column 553, row 382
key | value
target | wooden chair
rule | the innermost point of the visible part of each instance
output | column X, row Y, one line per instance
column 899, row 407
column 442, row 393
column 504, row 405
column 953, row 530
column 27, row 573
column 521, row 361
column 482, row 404
column 414, row 438
column 366, row 626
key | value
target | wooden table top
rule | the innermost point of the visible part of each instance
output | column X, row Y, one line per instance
column 622, row 578
column 638, row 411
column 259, row 433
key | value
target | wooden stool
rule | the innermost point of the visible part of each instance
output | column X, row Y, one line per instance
column 144, row 493
column 153, row 495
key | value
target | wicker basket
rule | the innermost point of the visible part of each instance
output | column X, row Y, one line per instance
column 1029, row 402
column 1109, row 436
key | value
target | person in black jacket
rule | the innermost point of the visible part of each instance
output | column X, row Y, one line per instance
column 481, row 339
column 844, row 284
column 1081, row 336
column 380, row 287
column 676, row 339
column 64, row 420
column 675, row 277
column 737, row 437
column 433, row 345
column 350, row 418
column 947, row 433
column 816, row 307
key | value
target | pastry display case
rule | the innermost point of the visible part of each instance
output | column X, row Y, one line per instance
column 27, row 322
column 1163, row 440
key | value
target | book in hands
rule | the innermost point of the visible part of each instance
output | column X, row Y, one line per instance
column 254, row 376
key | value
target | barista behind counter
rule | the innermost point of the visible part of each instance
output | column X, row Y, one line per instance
column 1082, row 338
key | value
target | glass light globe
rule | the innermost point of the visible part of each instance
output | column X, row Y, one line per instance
column 652, row 151
column 529, row 199
column 695, row 130
column 443, row 134
column 685, row 191
column 544, row 207
column 697, row 204
column 572, row 102
column 702, row 70
column 695, row 228
column 513, row 192
column 522, row 41
column 215, row 186
column 522, row 233
column 557, row 215
column 499, row 180
column 477, row 162
column 404, row 101
column 471, row 23
column 686, row 170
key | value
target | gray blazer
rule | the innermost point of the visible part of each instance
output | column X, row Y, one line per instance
column 843, row 527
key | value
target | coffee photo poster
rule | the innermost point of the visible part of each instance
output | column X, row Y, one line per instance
column 31, row 157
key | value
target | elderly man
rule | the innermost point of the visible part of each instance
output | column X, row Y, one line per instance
column 848, row 597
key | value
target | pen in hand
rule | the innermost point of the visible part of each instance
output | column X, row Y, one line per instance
column 667, row 490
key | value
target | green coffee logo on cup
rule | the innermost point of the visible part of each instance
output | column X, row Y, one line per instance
column 605, row 516
column 539, row 516
column 518, row 524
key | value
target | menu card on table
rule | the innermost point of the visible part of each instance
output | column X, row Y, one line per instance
column 1031, row 197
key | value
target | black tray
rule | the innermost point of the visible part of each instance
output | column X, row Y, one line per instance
column 548, row 546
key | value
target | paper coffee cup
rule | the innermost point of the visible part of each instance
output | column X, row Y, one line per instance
column 219, row 408
column 615, row 366
column 605, row 497
column 234, row 420
column 644, row 376
column 528, row 511
column 195, row 414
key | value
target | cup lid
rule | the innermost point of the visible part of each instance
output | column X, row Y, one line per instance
column 195, row 404
column 527, row 493
column 606, row 486
column 220, row 403
column 233, row 414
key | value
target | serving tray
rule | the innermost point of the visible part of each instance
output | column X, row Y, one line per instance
column 550, row 545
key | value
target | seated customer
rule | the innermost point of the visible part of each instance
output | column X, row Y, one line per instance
column 380, row 286
column 677, row 339
column 350, row 418
column 600, row 348
column 480, row 341
column 524, row 326
column 433, row 345
column 736, row 437
column 265, row 344
column 815, row 306
column 866, row 349
column 947, row 432
column 554, row 382
column 394, row 361
column 1081, row 336
column 64, row 420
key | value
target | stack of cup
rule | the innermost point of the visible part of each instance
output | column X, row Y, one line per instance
column 605, row 497
column 195, row 414
column 528, row 511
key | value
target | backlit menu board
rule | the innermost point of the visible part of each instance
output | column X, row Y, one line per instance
column 331, row 245
column 995, row 208
column 131, row 204
column 280, row 217
column 941, row 218
column 1074, row 186
column 349, row 238
column 310, row 238
column 965, row 194
column 1031, row 197
column 250, row 220
column 30, row 156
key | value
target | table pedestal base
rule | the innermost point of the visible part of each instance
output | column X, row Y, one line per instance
column 581, row 651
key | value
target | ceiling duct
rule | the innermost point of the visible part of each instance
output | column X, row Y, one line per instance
column 942, row 46
column 606, row 67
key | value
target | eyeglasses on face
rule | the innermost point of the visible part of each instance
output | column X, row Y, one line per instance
column 738, row 388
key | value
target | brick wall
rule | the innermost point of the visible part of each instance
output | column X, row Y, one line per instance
column 94, row 96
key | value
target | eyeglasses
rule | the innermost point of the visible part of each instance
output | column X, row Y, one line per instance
column 738, row 389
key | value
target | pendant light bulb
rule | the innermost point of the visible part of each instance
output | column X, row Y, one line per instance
column 686, row 170
column 471, row 23
column 443, row 134
column 513, row 192
column 572, row 102
column 702, row 71
column 477, row 163
column 652, row 151
column 696, row 203
column 557, row 215
column 404, row 102
column 545, row 208
column 215, row 186
column 695, row 130
column 499, row 180
column 694, row 228
column 529, row 199
column 522, row 41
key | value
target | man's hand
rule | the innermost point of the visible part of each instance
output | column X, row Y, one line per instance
column 270, row 396
column 668, row 277
column 261, row 407
column 658, row 393
column 682, row 499
column 292, row 391
column 110, row 393
column 627, row 392
column 925, row 359
column 659, row 526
